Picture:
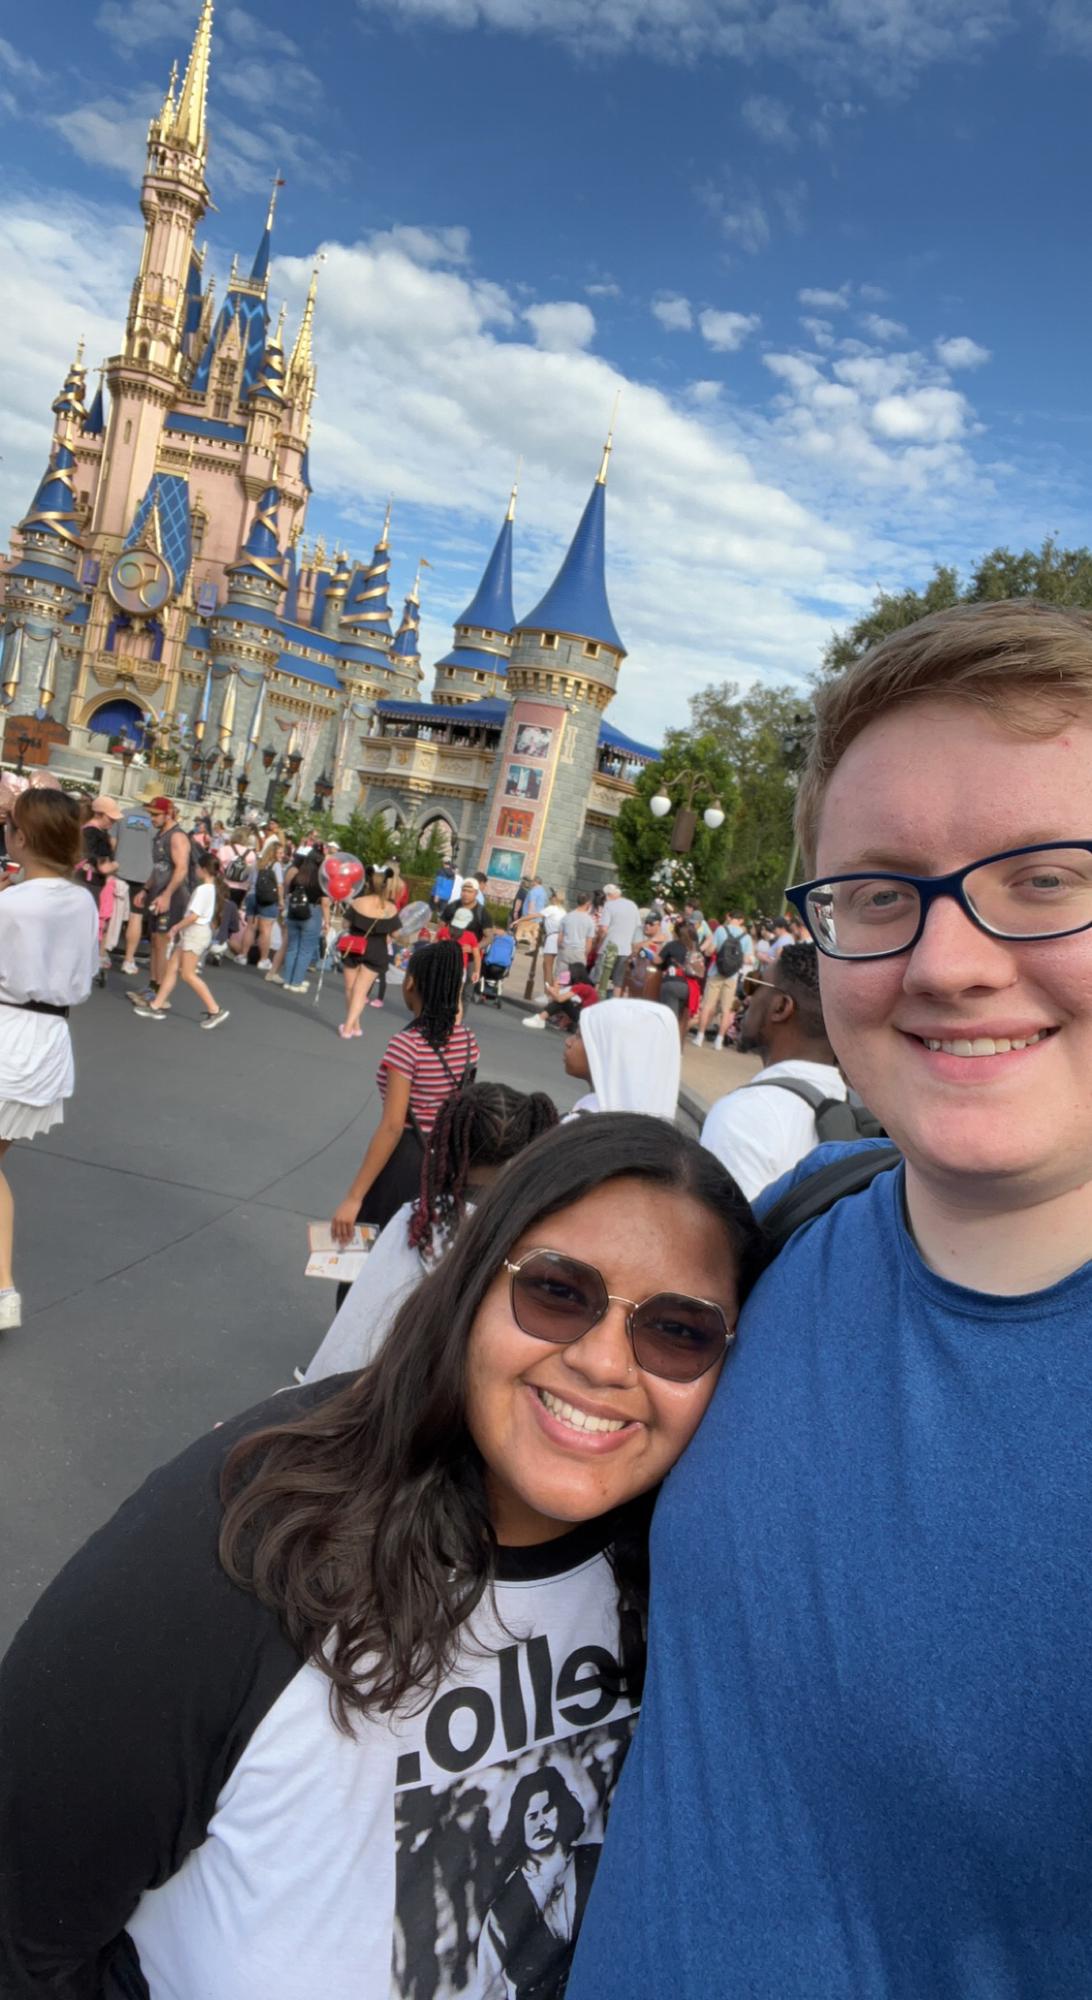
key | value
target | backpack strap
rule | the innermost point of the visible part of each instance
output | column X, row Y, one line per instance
column 810, row 1092
column 822, row 1189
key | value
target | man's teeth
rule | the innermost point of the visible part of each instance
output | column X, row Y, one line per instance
column 578, row 1420
column 984, row 1046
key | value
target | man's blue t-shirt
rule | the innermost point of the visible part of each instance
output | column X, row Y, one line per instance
column 863, row 1769
column 535, row 901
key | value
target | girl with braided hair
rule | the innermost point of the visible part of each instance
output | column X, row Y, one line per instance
column 422, row 1065
column 476, row 1132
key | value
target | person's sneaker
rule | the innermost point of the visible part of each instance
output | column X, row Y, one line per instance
column 150, row 1013
column 11, row 1310
column 541, row 1000
column 695, row 1037
column 214, row 1020
column 719, row 1043
column 130, row 970
column 145, row 998
column 214, row 954
column 265, row 965
column 534, row 1021
column 273, row 979
column 375, row 1003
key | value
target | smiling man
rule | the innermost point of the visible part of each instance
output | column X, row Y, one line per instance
column 864, row 1766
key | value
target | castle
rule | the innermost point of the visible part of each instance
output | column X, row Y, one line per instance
column 160, row 600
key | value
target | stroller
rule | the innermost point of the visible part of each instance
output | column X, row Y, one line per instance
column 495, row 969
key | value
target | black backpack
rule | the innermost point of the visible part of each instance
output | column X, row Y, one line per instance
column 837, row 1119
column 729, row 957
column 299, row 903
column 812, row 1197
column 237, row 870
column 266, row 887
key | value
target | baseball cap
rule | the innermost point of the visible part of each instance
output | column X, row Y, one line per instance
column 160, row 805
column 106, row 807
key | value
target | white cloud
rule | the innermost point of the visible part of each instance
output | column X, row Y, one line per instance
column 883, row 44
column 111, row 131
column 883, row 329
column 825, row 301
column 770, row 120
column 23, row 68
column 675, row 314
column 703, row 394
column 820, row 330
column 962, row 352
column 924, row 416
column 1070, row 27
column 604, row 288
column 133, row 24
column 561, row 327
column 740, row 211
column 727, row 331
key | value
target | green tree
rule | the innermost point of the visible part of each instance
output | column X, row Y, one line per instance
column 640, row 841
column 761, row 734
column 1056, row 576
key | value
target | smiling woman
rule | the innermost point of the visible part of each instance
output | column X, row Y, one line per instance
column 375, row 1650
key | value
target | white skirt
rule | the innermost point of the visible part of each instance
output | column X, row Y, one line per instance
column 27, row 1121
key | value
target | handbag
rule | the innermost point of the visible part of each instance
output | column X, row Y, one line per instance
column 352, row 944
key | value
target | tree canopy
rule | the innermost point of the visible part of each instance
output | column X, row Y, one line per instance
column 640, row 841
column 1057, row 576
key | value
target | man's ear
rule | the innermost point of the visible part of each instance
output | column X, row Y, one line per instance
column 782, row 1006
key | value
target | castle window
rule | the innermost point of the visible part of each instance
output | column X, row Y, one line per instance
column 221, row 407
column 549, row 642
column 128, row 429
column 591, row 649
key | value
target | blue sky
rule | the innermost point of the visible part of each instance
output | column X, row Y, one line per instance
column 825, row 251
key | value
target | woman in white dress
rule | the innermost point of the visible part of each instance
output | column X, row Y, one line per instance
column 49, row 955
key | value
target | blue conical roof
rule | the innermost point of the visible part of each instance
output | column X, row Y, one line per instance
column 261, row 554
column 491, row 607
column 576, row 601
column 367, row 607
column 407, row 644
column 192, row 321
column 94, row 424
column 53, row 508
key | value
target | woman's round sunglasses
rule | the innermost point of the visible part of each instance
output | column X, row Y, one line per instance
column 560, row 1299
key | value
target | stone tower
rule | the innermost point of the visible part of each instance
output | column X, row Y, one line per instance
column 148, row 376
column 562, row 674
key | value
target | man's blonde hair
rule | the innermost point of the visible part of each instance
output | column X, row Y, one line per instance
column 1026, row 664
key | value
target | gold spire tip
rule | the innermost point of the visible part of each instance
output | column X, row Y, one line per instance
column 515, row 489
column 609, row 446
column 385, row 538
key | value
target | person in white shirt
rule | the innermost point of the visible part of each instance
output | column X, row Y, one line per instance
column 190, row 939
column 551, row 925
column 578, row 928
column 619, row 925
column 760, row 1133
column 49, row 954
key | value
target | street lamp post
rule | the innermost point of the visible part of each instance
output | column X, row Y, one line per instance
column 285, row 767
column 24, row 742
column 693, row 784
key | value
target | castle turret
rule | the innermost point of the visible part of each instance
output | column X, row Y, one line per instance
column 405, row 653
column 367, row 613
column 562, row 673
column 149, row 373
column 42, row 592
column 71, row 401
column 246, row 636
column 478, row 660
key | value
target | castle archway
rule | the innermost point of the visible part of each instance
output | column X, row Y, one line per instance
column 118, row 717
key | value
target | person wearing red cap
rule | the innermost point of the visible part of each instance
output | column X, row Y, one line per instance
column 167, row 889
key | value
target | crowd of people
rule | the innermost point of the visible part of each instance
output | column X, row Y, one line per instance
column 345, row 1701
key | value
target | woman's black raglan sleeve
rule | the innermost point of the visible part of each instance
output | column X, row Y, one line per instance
column 126, row 1700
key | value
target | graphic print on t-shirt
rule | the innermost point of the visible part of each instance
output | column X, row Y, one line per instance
column 493, row 1870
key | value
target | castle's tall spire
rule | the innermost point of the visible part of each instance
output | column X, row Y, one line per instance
column 259, row 273
column 576, row 603
column 407, row 644
column 490, row 609
column 609, row 446
column 261, row 555
column 367, row 613
column 302, row 361
column 53, row 508
column 188, row 121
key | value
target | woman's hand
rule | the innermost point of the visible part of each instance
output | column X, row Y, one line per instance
column 343, row 1221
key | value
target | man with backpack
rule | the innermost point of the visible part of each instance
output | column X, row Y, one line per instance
column 799, row 1101
column 167, row 891
column 864, row 1764
column 727, row 960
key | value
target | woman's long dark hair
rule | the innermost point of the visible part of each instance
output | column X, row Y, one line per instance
column 365, row 1524
column 484, row 1125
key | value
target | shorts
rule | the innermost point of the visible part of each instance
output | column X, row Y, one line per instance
column 267, row 913
column 720, row 988
column 196, row 938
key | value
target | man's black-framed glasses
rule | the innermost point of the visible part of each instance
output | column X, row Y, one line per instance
column 1021, row 894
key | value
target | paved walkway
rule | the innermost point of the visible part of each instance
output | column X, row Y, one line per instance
column 161, row 1239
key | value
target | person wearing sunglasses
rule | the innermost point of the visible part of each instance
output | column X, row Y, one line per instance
column 868, row 1718
column 265, row 1737
column 760, row 1131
